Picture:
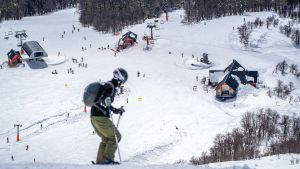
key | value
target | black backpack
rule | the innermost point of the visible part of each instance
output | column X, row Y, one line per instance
column 91, row 93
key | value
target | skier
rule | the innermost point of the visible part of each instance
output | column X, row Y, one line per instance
column 100, row 118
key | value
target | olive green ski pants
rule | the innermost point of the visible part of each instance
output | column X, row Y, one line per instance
column 105, row 129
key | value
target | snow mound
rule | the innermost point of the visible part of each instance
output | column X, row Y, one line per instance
column 55, row 60
column 193, row 64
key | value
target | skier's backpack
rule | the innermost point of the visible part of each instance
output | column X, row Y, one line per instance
column 91, row 92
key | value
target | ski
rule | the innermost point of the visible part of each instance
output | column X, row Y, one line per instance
column 106, row 163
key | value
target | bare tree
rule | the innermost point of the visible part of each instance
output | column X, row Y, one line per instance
column 244, row 34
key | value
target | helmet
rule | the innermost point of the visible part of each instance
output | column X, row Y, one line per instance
column 121, row 75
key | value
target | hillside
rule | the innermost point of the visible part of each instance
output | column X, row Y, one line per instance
column 170, row 122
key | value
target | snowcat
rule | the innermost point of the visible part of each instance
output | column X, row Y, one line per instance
column 14, row 58
column 127, row 40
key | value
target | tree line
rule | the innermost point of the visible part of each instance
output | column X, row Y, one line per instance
column 198, row 10
column 16, row 9
column 281, row 134
column 114, row 15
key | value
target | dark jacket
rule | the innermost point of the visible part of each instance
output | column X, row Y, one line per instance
column 108, row 90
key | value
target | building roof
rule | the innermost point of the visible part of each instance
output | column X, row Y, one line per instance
column 32, row 46
column 234, row 66
column 230, row 81
column 246, row 76
column 235, row 70
column 215, row 75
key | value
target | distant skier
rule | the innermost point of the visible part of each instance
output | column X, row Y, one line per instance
column 100, row 118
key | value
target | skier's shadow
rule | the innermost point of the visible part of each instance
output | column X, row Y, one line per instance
column 36, row 64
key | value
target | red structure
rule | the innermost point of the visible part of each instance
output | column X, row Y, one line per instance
column 14, row 58
column 127, row 40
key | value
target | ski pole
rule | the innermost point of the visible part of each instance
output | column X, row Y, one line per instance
column 117, row 142
column 118, row 121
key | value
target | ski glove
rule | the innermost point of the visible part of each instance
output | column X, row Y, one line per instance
column 107, row 102
column 119, row 110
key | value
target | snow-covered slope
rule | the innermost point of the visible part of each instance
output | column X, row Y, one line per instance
column 165, row 120
column 282, row 161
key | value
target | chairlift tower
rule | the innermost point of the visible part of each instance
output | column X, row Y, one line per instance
column 21, row 35
column 151, row 26
column 18, row 125
column 165, row 6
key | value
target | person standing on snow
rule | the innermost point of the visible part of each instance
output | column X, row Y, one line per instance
column 100, row 118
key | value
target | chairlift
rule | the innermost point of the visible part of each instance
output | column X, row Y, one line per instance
column 21, row 35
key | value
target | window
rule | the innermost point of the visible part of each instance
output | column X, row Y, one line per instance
column 225, row 92
column 38, row 54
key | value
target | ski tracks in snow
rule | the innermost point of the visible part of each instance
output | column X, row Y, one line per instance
column 153, row 153
column 48, row 121
column 58, row 119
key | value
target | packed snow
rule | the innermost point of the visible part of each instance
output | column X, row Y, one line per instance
column 165, row 121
